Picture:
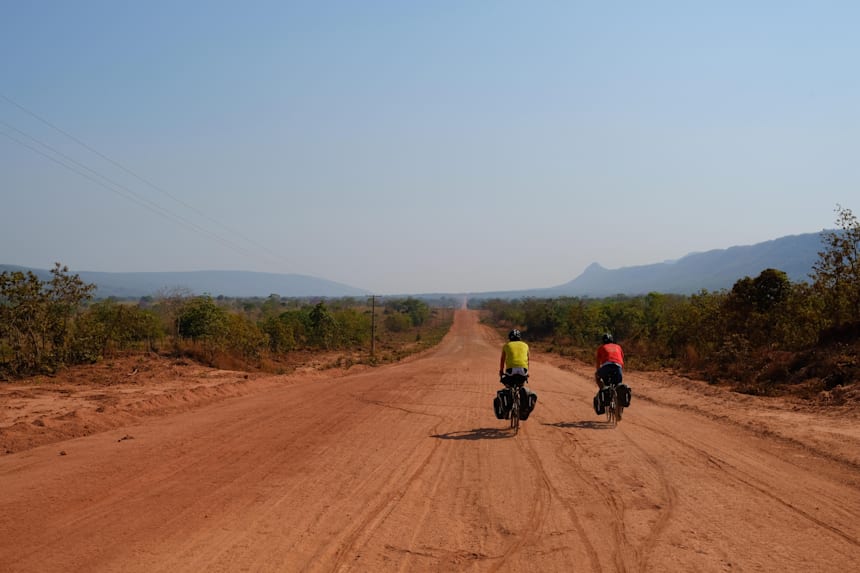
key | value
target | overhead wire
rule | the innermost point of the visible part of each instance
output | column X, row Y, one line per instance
column 129, row 194
column 123, row 191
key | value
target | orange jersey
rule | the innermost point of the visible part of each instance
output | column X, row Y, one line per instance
column 610, row 353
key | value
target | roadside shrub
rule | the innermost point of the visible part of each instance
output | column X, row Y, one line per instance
column 280, row 333
column 244, row 338
column 37, row 320
column 397, row 322
column 202, row 320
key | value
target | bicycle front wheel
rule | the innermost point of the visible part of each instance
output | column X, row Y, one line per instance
column 515, row 412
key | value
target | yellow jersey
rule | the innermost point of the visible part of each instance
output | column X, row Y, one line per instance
column 516, row 354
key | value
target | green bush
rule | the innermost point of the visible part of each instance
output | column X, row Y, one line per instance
column 37, row 320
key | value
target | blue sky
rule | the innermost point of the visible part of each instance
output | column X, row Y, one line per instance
column 408, row 147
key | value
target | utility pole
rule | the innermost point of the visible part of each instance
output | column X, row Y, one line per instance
column 372, row 324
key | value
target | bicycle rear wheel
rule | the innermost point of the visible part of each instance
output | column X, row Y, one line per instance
column 515, row 412
column 613, row 407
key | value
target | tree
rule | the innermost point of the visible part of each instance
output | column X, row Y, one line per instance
column 22, row 320
column 272, row 306
column 698, row 328
column 836, row 274
column 169, row 305
column 123, row 325
column 323, row 326
column 353, row 325
column 280, row 332
column 65, row 295
column 542, row 317
column 37, row 319
column 202, row 319
column 417, row 310
column 762, row 293
column 753, row 306
column 397, row 322
column 244, row 337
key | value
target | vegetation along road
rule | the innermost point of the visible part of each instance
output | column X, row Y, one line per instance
column 405, row 468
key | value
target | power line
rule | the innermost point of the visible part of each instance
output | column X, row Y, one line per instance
column 140, row 178
column 112, row 186
column 160, row 210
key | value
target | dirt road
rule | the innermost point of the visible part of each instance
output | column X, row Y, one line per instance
column 405, row 468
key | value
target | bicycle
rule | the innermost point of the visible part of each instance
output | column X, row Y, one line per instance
column 613, row 406
column 514, row 384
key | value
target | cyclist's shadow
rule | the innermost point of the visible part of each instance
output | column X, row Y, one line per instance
column 476, row 434
column 583, row 425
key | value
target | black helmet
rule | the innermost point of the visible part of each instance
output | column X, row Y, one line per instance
column 607, row 338
column 514, row 335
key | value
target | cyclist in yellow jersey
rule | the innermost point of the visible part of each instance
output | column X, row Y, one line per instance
column 514, row 374
column 515, row 355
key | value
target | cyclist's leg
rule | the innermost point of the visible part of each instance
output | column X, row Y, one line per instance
column 605, row 377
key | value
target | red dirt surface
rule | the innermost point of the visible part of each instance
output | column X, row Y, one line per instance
column 150, row 465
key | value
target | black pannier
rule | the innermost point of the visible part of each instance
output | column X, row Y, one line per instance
column 528, row 399
column 599, row 408
column 497, row 408
column 606, row 396
column 624, row 395
column 502, row 404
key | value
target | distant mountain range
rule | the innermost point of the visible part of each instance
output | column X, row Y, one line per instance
column 712, row 270
column 238, row 284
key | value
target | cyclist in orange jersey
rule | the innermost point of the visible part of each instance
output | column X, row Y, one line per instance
column 609, row 362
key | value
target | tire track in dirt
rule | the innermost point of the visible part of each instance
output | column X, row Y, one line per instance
column 749, row 424
column 746, row 479
column 397, row 484
column 537, row 514
column 553, row 492
column 440, row 556
column 631, row 552
column 631, row 549
column 642, row 551
column 376, row 512
column 610, row 502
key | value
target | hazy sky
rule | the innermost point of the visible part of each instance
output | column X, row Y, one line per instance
column 408, row 147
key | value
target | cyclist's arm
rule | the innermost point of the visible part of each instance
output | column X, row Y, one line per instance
column 502, row 363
